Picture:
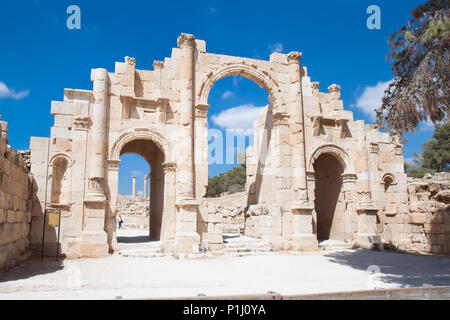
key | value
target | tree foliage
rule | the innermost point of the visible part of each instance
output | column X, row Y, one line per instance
column 420, row 64
column 230, row 181
column 435, row 155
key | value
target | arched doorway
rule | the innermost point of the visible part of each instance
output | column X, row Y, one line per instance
column 154, row 156
column 329, row 200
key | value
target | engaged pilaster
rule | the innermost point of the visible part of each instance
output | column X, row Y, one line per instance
column 185, row 176
column 296, row 128
column 96, row 191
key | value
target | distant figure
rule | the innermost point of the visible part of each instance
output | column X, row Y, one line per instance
column 120, row 221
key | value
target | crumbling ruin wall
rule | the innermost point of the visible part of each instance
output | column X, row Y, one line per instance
column 134, row 212
column 15, row 205
column 429, row 223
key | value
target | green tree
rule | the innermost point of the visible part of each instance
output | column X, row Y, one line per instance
column 232, row 181
column 435, row 155
column 420, row 64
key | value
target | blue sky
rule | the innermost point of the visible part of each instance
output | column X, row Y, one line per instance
column 39, row 56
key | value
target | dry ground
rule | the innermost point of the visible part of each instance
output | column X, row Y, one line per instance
column 284, row 273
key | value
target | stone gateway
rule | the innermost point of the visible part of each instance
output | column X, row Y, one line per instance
column 314, row 173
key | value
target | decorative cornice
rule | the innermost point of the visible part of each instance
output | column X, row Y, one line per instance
column 81, row 123
column 374, row 147
column 186, row 40
column 349, row 177
column 280, row 118
column 113, row 164
column 294, row 57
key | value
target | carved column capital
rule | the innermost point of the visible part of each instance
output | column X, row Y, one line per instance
column 169, row 167
column 201, row 110
column 130, row 60
column 334, row 88
column 186, row 41
column 294, row 57
column 158, row 64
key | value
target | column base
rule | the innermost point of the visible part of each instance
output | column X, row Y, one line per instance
column 94, row 244
column 187, row 243
column 304, row 242
column 367, row 240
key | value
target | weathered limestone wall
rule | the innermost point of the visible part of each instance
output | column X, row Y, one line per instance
column 429, row 220
column 134, row 212
column 15, row 204
column 165, row 109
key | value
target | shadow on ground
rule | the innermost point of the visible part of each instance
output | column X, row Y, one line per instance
column 136, row 239
column 34, row 267
column 405, row 270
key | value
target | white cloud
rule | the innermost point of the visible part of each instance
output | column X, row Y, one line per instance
column 276, row 47
column 238, row 119
column 371, row 98
column 427, row 125
column 137, row 173
column 236, row 80
column 227, row 94
column 5, row 92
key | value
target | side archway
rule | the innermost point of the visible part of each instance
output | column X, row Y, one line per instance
column 140, row 134
column 333, row 173
column 337, row 152
column 60, row 171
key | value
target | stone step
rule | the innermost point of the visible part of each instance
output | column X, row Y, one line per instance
column 142, row 254
column 247, row 249
column 247, row 245
column 334, row 245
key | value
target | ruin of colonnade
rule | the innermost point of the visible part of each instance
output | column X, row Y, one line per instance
column 314, row 173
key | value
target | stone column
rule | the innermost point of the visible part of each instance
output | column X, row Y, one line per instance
column 185, row 76
column 349, row 189
column 201, row 149
column 303, row 237
column 98, row 136
column 134, row 187
column 169, row 213
column 296, row 127
column 146, row 186
column 187, row 239
column 94, row 240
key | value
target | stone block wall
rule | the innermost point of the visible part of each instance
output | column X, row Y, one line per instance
column 15, row 205
column 134, row 212
column 429, row 221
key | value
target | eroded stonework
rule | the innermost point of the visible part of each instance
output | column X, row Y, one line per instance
column 161, row 114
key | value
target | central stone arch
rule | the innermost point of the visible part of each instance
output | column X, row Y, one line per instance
column 153, row 146
column 249, row 71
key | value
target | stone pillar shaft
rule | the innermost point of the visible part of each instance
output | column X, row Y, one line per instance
column 296, row 125
column 186, row 43
column 146, row 187
column 98, row 134
column 134, row 187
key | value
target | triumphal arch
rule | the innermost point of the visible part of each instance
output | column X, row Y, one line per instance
column 313, row 173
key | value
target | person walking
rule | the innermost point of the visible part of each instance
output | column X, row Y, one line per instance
column 120, row 221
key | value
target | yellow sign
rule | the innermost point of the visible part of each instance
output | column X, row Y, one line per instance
column 53, row 218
